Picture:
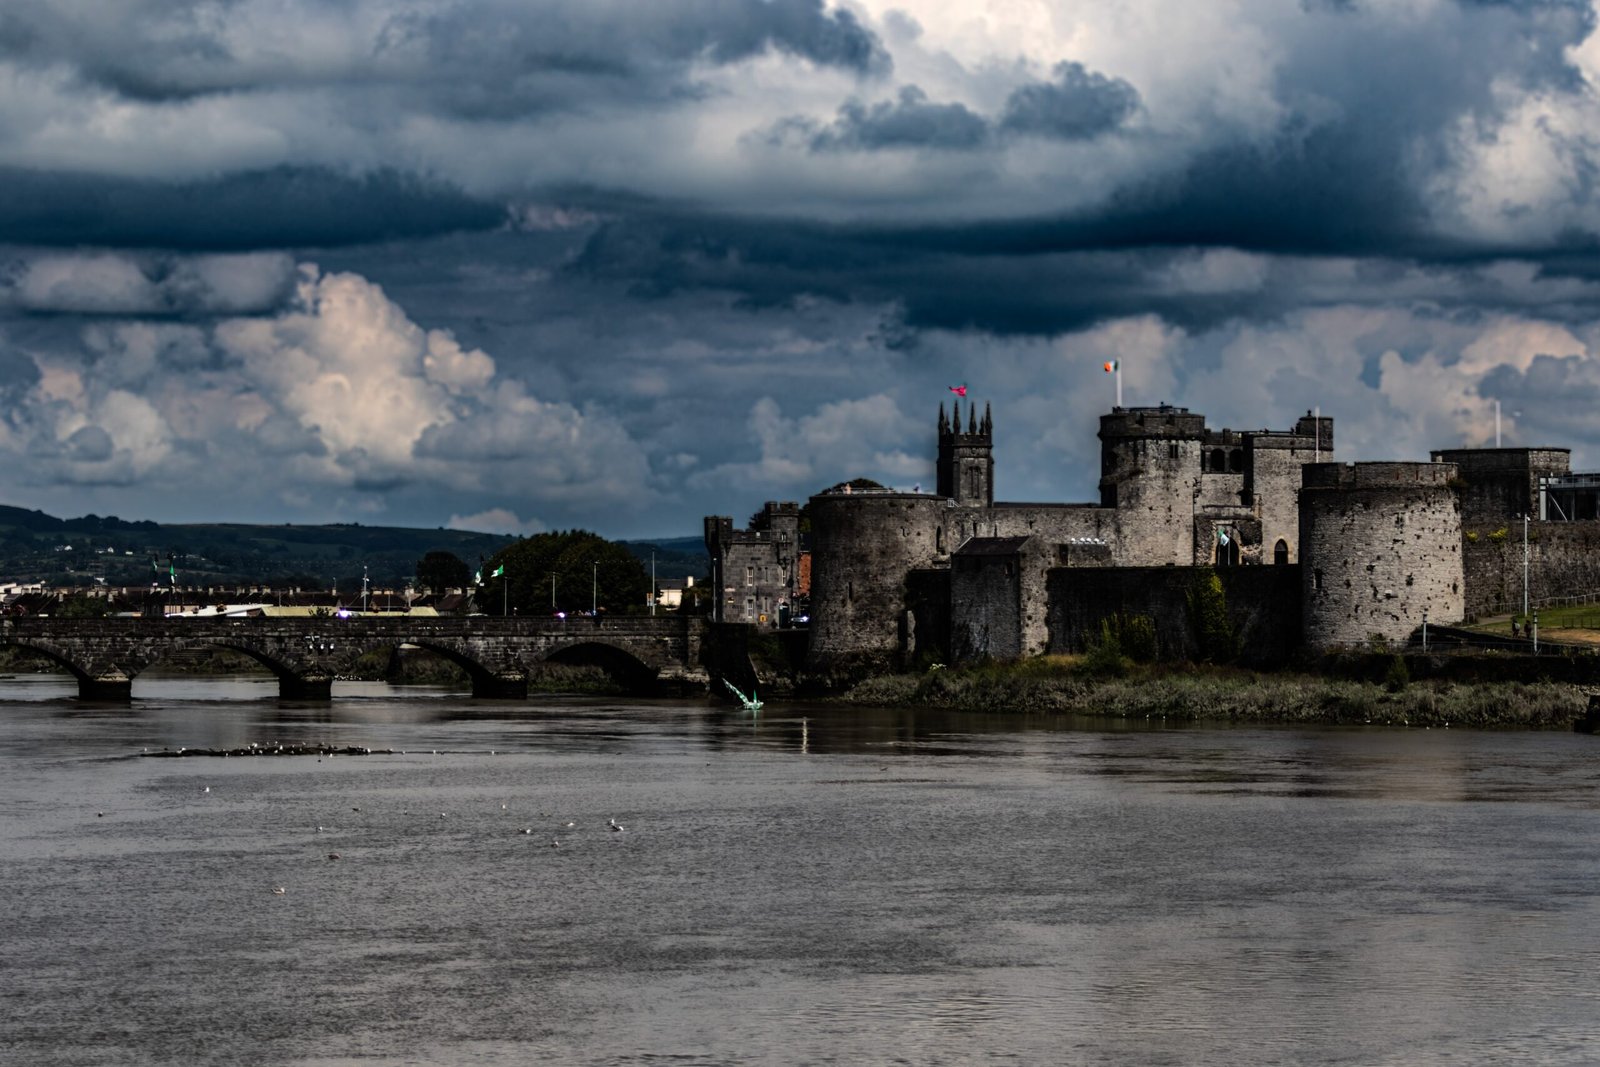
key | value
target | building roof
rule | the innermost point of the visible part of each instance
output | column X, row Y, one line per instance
column 993, row 546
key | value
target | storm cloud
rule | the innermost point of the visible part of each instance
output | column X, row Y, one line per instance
column 620, row 265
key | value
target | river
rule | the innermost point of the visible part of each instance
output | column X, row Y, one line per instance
column 816, row 885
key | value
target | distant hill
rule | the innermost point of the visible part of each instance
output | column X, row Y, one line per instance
column 676, row 557
column 36, row 547
column 39, row 547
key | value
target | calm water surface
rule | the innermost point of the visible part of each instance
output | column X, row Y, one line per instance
column 821, row 885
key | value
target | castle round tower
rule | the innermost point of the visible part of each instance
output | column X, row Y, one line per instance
column 864, row 545
column 1380, row 546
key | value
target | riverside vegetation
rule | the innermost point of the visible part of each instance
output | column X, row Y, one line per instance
column 1099, row 685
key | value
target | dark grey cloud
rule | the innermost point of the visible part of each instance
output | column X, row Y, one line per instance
column 1077, row 103
column 494, row 58
column 282, row 207
column 911, row 120
column 90, row 444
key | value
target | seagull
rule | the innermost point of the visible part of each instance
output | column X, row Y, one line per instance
column 279, row 891
column 527, row 829
column 207, row 789
column 570, row 825
column 333, row 855
column 554, row 843
column 99, row 814
column 616, row 826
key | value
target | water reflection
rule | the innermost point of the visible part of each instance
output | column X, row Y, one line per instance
column 816, row 884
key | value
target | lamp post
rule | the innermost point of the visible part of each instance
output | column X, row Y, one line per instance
column 1524, row 568
column 552, row 592
column 652, row 585
column 594, row 593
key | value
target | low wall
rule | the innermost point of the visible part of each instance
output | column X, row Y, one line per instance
column 1263, row 607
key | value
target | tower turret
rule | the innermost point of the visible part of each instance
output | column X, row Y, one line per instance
column 966, row 459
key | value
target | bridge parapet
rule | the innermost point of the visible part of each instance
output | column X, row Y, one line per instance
column 307, row 653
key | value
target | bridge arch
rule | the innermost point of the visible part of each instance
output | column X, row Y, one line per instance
column 85, row 673
column 504, row 680
column 622, row 662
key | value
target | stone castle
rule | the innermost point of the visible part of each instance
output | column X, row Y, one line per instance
column 1311, row 554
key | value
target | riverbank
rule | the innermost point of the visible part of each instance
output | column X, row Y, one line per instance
column 1067, row 685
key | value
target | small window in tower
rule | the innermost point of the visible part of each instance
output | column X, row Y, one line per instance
column 1219, row 460
column 1280, row 552
column 1316, row 580
column 1236, row 461
column 1172, row 450
column 938, row 538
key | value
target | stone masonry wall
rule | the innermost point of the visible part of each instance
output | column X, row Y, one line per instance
column 1380, row 545
column 1263, row 606
column 1563, row 561
column 864, row 545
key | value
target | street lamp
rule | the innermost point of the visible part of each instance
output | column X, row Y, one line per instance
column 594, row 593
column 1524, row 569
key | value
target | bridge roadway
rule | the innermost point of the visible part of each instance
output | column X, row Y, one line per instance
column 308, row 653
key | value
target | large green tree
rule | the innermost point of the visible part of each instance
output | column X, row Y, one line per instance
column 438, row 571
column 584, row 567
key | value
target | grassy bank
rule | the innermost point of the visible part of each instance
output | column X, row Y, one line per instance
column 1068, row 685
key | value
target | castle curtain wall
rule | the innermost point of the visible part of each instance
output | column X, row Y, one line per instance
column 1263, row 606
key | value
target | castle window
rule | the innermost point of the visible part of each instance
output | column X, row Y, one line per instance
column 1316, row 580
column 1280, row 552
column 1219, row 461
column 1236, row 461
column 938, row 538
column 1172, row 450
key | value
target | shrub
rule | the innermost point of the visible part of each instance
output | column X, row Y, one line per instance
column 1397, row 678
column 1104, row 659
column 1137, row 635
column 1208, row 619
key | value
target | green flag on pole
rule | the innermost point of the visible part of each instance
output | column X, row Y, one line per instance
column 498, row 571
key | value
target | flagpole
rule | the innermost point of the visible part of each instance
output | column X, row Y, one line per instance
column 1119, row 383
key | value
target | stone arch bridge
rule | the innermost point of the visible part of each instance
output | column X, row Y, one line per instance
column 306, row 654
